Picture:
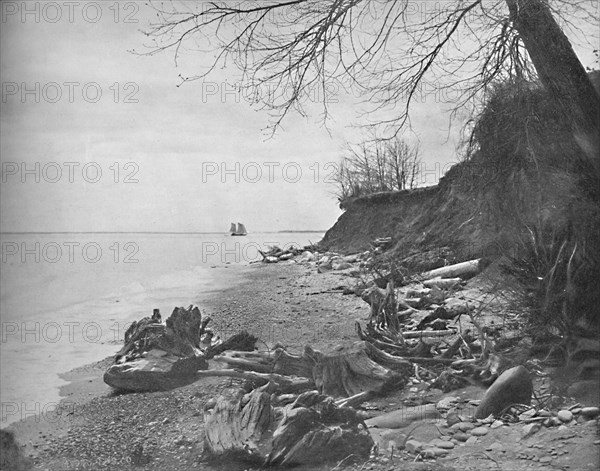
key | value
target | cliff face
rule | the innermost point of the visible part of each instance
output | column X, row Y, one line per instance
column 525, row 176
column 525, row 193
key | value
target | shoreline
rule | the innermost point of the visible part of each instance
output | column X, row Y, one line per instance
column 288, row 303
column 274, row 302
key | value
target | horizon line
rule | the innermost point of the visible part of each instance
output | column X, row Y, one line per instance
column 145, row 232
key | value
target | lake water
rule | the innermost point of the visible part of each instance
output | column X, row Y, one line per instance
column 66, row 299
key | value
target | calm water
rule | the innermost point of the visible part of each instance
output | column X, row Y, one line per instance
column 66, row 299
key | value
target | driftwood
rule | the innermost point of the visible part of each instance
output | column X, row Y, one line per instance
column 462, row 270
column 346, row 371
column 442, row 283
column 181, row 334
column 312, row 430
column 158, row 357
column 284, row 384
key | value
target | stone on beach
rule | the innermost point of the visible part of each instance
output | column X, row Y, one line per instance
column 590, row 412
column 479, row 431
column 565, row 415
column 514, row 386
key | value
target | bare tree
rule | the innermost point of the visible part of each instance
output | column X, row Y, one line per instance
column 404, row 162
column 376, row 165
column 388, row 49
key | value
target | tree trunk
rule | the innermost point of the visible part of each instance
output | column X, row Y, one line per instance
column 560, row 71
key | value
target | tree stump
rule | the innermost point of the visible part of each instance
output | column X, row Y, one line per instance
column 311, row 430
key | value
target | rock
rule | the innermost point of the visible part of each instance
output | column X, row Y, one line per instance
column 565, row 416
column 12, row 457
column 428, row 453
column 496, row 424
column 530, row 429
column 461, row 436
column 341, row 265
column 437, row 451
column 385, row 439
column 307, row 256
column 414, row 446
column 465, row 426
column 471, row 441
column 444, row 444
column 271, row 259
column 479, row 431
column 286, row 256
column 514, row 386
column 351, row 258
column 446, row 403
column 452, row 419
column 528, row 414
column 576, row 410
column 590, row 412
column 552, row 422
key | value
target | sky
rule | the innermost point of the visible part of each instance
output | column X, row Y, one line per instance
column 96, row 138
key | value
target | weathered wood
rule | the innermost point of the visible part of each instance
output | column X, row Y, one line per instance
column 312, row 430
column 356, row 400
column 242, row 341
column 416, row 334
column 285, row 384
column 442, row 283
column 345, row 371
column 349, row 370
column 158, row 357
column 463, row 270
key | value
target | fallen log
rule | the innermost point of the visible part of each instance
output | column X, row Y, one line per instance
column 344, row 372
column 416, row 334
column 462, row 270
column 442, row 283
column 285, row 384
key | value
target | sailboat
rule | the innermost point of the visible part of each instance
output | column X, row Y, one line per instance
column 239, row 231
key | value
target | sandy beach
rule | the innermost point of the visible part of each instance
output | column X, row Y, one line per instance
column 93, row 428
column 289, row 303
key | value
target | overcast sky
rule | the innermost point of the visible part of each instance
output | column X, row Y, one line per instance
column 116, row 146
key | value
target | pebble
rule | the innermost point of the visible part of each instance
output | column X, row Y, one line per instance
column 429, row 453
column 471, row 441
column 479, row 431
column 413, row 446
column 552, row 422
column 576, row 410
column 590, row 412
column 530, row 429
column 545, row 459
column 465, row 426
column 461, row 437
column 446, row 445
column 565, row 415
